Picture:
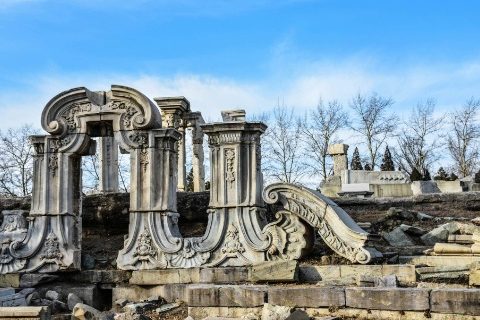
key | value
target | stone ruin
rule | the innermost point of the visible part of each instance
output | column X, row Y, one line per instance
column 48, row 238
column 233, row 269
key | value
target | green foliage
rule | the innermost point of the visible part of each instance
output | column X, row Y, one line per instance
column 441, row 175
column 368, row 167
column 416, row 175
column 356, row 163
column 189, row 186
column 387, row 162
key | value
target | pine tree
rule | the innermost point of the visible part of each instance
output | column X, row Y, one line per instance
column 387, row 162
column 415, row 175
column 189, row 186
column 368, row 167
column 453, row 177
column 441, row 175
column 356, row 164
column 477, row 177
column 426, row 176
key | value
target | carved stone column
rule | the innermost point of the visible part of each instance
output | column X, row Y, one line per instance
column 236, row 189
column 198, row 155
column 153, row 201
column 108, row 149
column 173, row 111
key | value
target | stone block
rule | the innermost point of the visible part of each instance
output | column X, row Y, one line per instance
column 401, row 299
column 4, row 292
column 29, row 280
column 225, row 296
column 12, row 300
column 355, row 270
column 474, row 278
column 165, row 276
column 40, row 313
column 405, row 273
column 338, row 148
column 10, row 280
column 170, row 292
column 310, row 273
column 224, row 275
column 424, row 187
column 398, row 238
column 308, row 297
column 275, row 271
column 446, row 260
column 460, row 301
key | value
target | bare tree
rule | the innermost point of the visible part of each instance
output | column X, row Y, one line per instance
column 91, row 173
column 124, row 172
column 282, row 147
column 419, row 143
column 462, row 142
column 16, row 161
column 320, row 129
column 373, row 122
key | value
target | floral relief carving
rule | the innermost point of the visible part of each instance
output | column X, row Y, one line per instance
column 230, row 165
column 51, row 251
column 144, row 159
column 232, row 244
column 53, row 163
column 70, row 113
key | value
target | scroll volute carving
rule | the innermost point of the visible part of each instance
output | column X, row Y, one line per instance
column 126, row 107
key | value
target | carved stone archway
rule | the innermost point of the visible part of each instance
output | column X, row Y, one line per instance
column 237, row 232
column 53, row 238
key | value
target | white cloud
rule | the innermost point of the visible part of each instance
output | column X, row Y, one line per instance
column 300, row 87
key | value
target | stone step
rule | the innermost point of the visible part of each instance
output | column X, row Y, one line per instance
column 283, row 271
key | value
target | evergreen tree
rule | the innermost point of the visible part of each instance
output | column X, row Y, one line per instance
column 387, row 162
column 453, row 177
column 426, row 176
column 189, row 185
column 368, row 167
column 356, row 164
column 441, row 175
column 477, row 177
column 415, row 175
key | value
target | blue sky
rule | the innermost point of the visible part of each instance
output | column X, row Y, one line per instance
column 226, row 54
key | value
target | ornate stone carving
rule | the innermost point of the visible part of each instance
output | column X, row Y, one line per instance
column 334, row 225
column 287, row 237
column 51, row 251
column 230, row 165
column 53, row 163
column 144, row 159
column 232, row 244
column 70, row 114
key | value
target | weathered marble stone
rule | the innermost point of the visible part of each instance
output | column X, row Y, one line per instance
column 401, row 299
column 459, row 301
column 309, row 297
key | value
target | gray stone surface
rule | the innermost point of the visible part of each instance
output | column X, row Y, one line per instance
column 456, row 301
column 398, row 238
column 82, row 312
column 275, row 271
column 308, row 297
column 401, row 299
column 204, row 295
column 72, row 300
column 29, row 280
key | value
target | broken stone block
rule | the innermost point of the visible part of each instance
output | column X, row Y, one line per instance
column 10, row 280
column 389, row 281
column 411, row 230
column 272, row 271
column 84, row 312
column 58, row 306
column 168, row 307
column 52, row 295
column 274, row 312
column 141, row 307
column 439, row 234
column 398, row 238
column 72, row 300
column 440, row 273
column 298, row 315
